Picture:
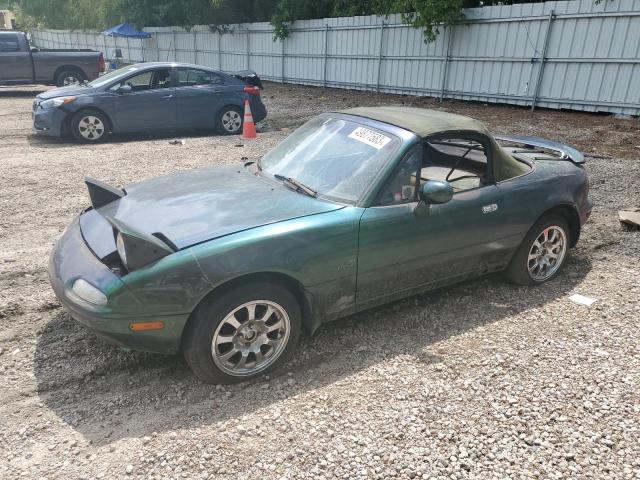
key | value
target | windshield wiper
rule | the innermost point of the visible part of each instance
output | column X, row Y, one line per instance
column 296, row 185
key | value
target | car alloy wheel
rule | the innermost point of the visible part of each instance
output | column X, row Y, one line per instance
column 231, row 121
column 250, row 338
column 91, row 128
column 547, row 253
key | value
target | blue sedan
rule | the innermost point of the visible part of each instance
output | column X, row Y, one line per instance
column 150, row 97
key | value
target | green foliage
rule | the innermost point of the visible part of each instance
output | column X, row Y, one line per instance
column 287, row 11
column 428, row 15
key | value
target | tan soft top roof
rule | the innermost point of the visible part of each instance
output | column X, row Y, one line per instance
column 424, row 122
column 420, row 121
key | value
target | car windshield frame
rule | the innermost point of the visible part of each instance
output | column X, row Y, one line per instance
column 387, row 154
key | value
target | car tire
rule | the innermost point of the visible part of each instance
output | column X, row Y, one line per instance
column 70, row 77
column 89, row 126
column 225, row 343
column 542, row 253
column 229, row 120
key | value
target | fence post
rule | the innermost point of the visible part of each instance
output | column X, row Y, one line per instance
column 129, row 50
column 445, row 67
column 326, row 54
column 195, row 47
column 534, row 99
column 175, row 47
column 380, row 47
column 248, row 48
column 219, row 51
column 283, row 53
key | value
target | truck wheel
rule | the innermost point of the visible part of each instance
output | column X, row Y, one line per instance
column 89, row 126
column 243, row 333
column 70, row 77
column 542, row 253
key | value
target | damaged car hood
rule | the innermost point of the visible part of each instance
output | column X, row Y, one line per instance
column 195, row 206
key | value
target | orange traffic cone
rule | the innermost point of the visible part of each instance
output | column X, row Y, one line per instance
column 248, row 127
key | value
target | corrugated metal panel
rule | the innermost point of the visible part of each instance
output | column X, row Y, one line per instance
column 591, row 54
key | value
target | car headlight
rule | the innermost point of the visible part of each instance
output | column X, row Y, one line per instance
column 137, row 250
column 121, row 250
column 88, row 292
column 57, row 102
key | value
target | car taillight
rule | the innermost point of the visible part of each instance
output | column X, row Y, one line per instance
column 252, row 90
column 101, row 65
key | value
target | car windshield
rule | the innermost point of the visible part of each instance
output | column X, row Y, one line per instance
column 333, row 157
column 109, row 77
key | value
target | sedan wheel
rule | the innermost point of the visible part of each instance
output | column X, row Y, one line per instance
column 229, row 121
column 250, row 338
column 91, row 128
column 239, row 333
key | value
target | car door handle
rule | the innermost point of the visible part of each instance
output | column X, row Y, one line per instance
column 490, row 208
column 168, row 96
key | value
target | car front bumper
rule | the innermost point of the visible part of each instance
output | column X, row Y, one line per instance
column 72, row 259
column 48, row 121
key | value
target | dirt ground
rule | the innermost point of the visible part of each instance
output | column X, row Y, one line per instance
column 482, row 380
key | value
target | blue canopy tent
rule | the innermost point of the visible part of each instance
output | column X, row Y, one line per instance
column 126, row 30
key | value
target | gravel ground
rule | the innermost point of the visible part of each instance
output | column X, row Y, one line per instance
column 482, row 380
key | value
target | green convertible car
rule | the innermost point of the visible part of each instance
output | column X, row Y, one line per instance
column 229, row 265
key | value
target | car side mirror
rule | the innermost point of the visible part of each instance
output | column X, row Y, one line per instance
column 435, row 192
column 34, row 49
column 125, row 89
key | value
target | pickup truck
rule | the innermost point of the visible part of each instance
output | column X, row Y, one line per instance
column 22, row 64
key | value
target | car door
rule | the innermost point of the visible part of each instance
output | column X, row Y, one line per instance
column 15, row 59
column 199, row 94
column 149, row 105
column 406, row 246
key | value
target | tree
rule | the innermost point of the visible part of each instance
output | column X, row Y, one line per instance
column 425, row 14
column 428, row 15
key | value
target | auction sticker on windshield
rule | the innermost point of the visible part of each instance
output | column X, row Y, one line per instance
column 374, row 139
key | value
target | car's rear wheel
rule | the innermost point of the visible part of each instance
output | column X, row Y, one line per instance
column 89, row 126
column 229, row 121
column 542, row 253
column 67, row 78
column 242, row 333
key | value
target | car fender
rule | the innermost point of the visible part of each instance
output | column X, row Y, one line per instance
column 317, row 251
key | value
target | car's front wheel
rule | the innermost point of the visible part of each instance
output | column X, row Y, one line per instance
column 242, row 333
column 89, row 126
column 542, row 253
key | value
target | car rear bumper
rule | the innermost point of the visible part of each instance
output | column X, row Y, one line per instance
column 258, row 110
column 48, row 121
column 70, row 260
